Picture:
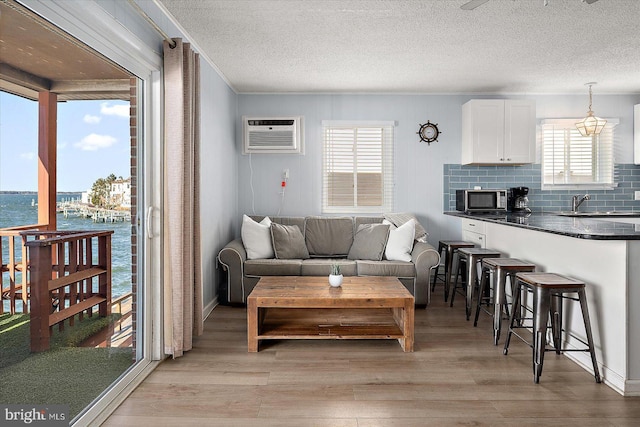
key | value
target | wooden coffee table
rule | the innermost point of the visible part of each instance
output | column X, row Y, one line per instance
column 306, row 307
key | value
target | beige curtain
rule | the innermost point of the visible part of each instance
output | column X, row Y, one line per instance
column 182, row 263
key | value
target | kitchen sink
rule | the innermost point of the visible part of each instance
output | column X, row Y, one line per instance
column 599, row 214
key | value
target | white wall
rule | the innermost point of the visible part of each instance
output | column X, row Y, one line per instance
column 418, row 166
column 218, row 170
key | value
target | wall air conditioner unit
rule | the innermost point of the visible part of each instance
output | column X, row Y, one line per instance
column 273, row 135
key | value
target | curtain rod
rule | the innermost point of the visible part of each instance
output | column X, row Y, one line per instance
column 155, row 26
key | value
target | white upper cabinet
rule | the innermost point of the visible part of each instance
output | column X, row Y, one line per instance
column 498, row 131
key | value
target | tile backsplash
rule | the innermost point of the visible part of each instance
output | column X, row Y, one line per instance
column 460, row 177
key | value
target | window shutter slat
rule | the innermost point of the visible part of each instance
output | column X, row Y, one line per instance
column 570, row 159
column 357, row 168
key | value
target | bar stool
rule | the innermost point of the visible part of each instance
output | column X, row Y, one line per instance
column 471, row 257
column 450, row 247
column 549, row 291
column 498, row 269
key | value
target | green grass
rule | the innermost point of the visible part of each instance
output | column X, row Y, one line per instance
column 66, row 374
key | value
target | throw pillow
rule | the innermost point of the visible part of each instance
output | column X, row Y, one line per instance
column 369, row 242
column 288, row 242
column 400, row 242
column 398, row 219
column 256, row 238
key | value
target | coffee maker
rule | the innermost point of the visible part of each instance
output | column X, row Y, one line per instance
column 517, row 200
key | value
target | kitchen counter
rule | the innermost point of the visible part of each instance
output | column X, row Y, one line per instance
column 619, row 228
column 602, row 252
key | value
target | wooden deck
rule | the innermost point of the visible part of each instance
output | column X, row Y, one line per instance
column 120, row 333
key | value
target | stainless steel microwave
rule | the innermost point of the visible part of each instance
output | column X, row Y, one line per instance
column 481, row 200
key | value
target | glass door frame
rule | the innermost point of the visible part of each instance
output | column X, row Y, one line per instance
column 93, row 25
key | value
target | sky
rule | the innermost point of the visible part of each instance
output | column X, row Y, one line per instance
column 93, row 142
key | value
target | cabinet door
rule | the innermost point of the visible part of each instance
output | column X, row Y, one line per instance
column 520, row 131
column 483, row 131
column 473, row 231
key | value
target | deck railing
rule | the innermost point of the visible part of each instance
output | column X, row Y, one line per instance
column 13, row 266
column 69, row 274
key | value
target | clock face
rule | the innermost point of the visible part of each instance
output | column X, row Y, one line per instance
column 429, row 132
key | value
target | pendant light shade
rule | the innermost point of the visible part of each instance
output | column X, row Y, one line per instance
column 590, row 125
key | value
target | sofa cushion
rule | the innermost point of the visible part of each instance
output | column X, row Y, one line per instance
column 328, row 236
column 322, row 267
column 386, row 268
column 359, row 220
column 272, row 267
column 400, row 242
column 256, row 238
column 288, row 242
column 369, row 242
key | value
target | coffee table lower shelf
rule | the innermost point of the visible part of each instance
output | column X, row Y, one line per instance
column 328, row 324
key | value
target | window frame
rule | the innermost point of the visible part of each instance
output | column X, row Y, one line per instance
column 600, row 155
column 386, row 164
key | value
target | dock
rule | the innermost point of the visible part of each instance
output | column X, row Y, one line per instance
column 82, row 210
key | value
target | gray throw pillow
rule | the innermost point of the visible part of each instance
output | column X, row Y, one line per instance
column 369, row 242
column 288, row 242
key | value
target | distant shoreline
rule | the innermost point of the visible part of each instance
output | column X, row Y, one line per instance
column 36, row 193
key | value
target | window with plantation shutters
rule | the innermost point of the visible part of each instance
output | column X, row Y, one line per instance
column 570, row 160
column 357, row 167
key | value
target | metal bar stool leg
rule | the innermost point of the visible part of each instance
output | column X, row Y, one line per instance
column 500, row 300
column 435, row 276
column 513, row 318
column 556, row 321
column 481, row 292
column 582, row 296
column 541, row 306
column 460, row 261
column 448, row 267
column 471, row 282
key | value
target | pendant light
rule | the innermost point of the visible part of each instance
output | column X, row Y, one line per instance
column 590, row 125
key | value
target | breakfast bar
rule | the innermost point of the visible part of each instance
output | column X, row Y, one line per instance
column 603, row 252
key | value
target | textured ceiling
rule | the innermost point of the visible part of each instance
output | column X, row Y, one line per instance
column 426, row 46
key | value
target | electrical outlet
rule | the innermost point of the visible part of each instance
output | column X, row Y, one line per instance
column 637, row 195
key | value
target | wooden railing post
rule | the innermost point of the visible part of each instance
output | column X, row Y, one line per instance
column 40, row 300
column 104, row 281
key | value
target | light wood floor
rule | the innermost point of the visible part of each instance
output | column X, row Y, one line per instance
column 455, row 377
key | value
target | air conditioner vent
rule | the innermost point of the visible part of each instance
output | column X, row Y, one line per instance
column 281, row 135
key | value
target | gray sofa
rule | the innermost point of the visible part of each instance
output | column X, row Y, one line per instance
column 329, row 241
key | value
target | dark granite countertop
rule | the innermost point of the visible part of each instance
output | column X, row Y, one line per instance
column 579, row 227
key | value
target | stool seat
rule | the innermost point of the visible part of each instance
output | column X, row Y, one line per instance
column 549, row 291
column 472, row 256
column 450, row 247
column 507, row 263
column 550, row 280
column 499, row 269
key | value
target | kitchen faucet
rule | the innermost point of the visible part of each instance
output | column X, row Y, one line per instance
column 576, row 201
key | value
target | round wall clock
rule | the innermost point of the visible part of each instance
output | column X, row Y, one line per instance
column 429, row 132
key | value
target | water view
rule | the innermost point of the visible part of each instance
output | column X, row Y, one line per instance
column 22, row 209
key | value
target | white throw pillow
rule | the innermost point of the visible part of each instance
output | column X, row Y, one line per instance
column 256, row 238
column 400, row 242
